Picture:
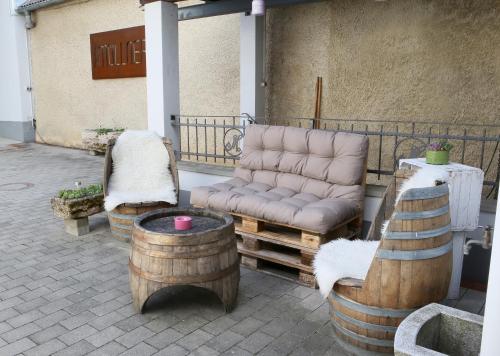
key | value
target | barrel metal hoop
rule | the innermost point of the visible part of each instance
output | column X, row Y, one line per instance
column 417, row 235
column 371, row 310
column 122, row 216
column 364, row 324
column 121, row 234
column 121, row 226
column 215, row 250
column 415, row 254
column 425, row 193
column 207, row 277
column 364, row 339
column 426, row 214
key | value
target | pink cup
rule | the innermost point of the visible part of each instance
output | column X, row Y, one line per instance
column 183, row 223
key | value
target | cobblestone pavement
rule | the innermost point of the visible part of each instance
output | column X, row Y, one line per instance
column 64, row 295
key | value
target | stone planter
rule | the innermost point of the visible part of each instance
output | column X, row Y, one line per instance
column 96, row 143
column 439, row 330
column 76, row 212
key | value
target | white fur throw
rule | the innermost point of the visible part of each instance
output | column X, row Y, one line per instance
column 341, row 259
column 140, row 171
column 424, row 178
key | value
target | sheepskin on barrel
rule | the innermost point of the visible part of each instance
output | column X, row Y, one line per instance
column 140, row 171
column 424, row 178
column 342, row 258
column 352, row 259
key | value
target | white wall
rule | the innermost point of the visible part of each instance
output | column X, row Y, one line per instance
column 491, row 342
column 15, row 100
column 189, row 180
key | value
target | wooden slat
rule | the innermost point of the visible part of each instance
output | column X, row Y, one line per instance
column 276, row 257
column 288, row 238
column 332, row 230
column 251, row 225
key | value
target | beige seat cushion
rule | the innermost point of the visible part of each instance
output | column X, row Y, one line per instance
column 282, row 205
column 309, row 179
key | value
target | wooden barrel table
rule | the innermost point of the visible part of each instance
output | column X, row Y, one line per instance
column 205, row 256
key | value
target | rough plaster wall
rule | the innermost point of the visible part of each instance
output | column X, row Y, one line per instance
column 405, row 59
column 67, row 100
column 209, row 51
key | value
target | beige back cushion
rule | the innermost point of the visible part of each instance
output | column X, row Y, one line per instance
column 316, row 161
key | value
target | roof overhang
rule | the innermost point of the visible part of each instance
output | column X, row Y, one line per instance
column 225, row 7
column 208, row 9
column 31, row 5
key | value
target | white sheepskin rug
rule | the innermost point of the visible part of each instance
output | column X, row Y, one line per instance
column 342, row 259
column 424, row 178
column 140, row 171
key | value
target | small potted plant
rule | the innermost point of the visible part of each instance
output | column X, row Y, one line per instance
column 438, row 152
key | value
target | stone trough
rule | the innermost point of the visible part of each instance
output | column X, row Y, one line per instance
column 439, row 330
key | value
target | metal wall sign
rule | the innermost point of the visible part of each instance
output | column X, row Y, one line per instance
column 119, row 53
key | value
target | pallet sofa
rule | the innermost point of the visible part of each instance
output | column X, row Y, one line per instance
column 294, row 190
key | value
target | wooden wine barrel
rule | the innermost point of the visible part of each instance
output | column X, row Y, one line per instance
column 205, row 256
column 411, row 268
column 121, row 219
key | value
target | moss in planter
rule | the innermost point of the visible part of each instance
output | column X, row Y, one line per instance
column 104, row 131
column 81, row 192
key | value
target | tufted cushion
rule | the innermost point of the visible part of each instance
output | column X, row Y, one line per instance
column 310, row 179
column 282, row 205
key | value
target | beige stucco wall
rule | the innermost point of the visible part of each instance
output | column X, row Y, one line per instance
column 67, row 100
column 405, row 59
column 209, row 51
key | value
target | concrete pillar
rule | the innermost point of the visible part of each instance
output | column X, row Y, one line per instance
column 162, row 49
column 77, row 227
column 490, row 345
column 16, row 110
column 252, row 85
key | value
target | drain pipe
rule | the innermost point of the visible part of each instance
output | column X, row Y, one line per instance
column 27, row 10
column 28, row 20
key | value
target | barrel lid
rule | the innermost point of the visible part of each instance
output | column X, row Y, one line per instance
column 161, row 221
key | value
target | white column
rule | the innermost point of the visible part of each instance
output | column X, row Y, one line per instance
column 490, row 345
column 252, row 88
column 162, row 49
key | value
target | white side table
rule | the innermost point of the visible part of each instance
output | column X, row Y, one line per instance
column 466, row 184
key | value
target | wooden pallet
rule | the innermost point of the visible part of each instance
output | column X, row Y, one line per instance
column 262, row 243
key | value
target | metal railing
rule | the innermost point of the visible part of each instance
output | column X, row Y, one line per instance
column 212, row 139
column 218, row 139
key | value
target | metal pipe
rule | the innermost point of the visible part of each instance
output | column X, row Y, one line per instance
column 35, row 5
column 485, row 243
column 27, row 10
column 28, row 20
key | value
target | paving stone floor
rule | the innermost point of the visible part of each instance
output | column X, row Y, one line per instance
column 64, row 295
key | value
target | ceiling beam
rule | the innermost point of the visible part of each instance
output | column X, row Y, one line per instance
column 225, row 7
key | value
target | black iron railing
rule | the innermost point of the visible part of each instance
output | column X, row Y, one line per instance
column 212, row 139
column 218, row 139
